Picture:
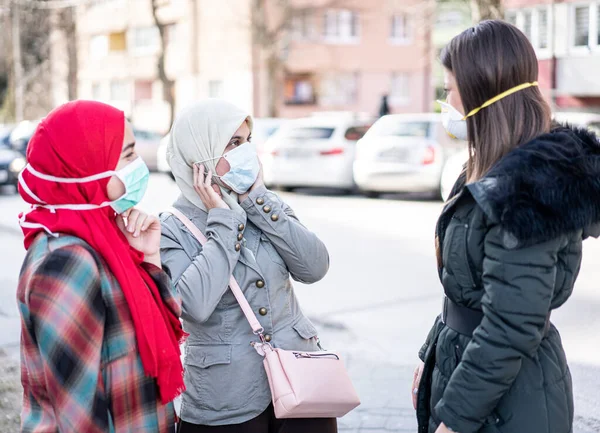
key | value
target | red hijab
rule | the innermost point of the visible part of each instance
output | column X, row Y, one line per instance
column 81, row 139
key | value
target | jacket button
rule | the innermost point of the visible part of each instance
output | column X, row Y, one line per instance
column 260, row 284
column 241, row 227
column 267, row 209
column 260, row 201
column 262, row 311
column 240, row 236
column 238, row 247
column 268, row 338
column 274, row 217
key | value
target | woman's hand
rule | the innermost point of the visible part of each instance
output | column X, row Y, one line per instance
column 259, row 182
column 142, row 232
column 443, row 429
column 415, row 384
column 209, row 194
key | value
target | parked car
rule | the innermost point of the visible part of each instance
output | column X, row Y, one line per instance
column 146, row 145
column 314, row 152
column 11, row 164
column 5, row 131
column 21, row 134
column 264, row 128
column 403, row 153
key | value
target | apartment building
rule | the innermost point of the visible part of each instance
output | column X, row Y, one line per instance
column 342, row 58
column 566, row 36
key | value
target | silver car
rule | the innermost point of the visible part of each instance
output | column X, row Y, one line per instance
column 404, row 153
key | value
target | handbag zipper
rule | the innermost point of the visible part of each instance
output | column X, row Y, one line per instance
column 304, row 355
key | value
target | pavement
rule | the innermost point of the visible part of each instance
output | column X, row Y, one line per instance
column 377, row 303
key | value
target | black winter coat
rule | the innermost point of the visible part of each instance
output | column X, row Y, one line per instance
column 511, row 245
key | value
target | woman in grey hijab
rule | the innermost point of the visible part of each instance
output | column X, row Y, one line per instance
column 253, row 235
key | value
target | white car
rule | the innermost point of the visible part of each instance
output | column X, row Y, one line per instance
column 314, row 152
column 403, row 153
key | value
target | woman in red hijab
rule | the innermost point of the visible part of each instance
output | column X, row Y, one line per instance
column 100, row 328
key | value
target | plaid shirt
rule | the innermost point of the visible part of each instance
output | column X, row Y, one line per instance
column 80, row 368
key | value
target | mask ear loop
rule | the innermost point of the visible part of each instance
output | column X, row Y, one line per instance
column 499, row 97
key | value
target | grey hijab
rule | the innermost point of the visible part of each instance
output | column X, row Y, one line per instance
column 201, row 132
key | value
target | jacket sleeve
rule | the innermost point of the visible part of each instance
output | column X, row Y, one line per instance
column 304, row 254
column 519, row 285
column 65, row 319
column 202, row 280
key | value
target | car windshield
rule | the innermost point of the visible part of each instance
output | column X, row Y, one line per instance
column 261, row 131
column 391, row 127
column 308, row 133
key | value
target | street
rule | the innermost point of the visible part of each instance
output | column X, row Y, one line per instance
column 377, row 303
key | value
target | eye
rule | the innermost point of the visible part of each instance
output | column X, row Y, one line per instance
column 250, row 139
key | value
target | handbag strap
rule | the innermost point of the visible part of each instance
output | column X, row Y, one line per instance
column 233, row 284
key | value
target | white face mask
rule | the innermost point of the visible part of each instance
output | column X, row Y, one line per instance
column 454, row 121
column 244, row 168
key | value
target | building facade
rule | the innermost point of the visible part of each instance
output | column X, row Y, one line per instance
column 566, row 36
column 343, row 58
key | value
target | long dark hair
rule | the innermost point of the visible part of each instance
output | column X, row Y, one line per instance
column 486, row 60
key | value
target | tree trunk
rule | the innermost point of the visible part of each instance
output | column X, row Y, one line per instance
column 273, row 68
column 486, row 10
column 168, row 85
column 68, row 25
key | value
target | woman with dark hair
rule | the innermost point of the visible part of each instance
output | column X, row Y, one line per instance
column 509, row 246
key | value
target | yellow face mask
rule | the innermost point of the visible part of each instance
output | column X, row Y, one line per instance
column 455, row 122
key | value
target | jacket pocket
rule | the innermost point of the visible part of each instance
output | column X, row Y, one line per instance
column 213, row 383
column 305, row 329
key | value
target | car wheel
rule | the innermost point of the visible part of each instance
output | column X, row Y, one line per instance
column 371, row 194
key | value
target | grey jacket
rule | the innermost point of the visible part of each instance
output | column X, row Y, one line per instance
column 224, row 376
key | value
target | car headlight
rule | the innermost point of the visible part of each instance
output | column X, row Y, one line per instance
column 17, row 165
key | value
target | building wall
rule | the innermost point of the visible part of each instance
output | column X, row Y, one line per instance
column 577, row 86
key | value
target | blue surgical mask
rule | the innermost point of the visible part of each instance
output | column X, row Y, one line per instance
column 135, row 177
column 244, row 168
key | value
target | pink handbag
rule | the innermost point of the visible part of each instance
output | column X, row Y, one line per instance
column 303, row 384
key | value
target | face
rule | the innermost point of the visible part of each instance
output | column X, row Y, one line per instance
column 115, row 187
column 451, row 89
column 240, row 137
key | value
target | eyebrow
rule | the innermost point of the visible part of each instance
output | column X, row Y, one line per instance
column 239, row 137
column 128, row 147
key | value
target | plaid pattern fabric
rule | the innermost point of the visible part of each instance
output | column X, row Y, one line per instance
column 80, row 368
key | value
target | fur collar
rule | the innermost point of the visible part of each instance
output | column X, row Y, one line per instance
column 545, row 188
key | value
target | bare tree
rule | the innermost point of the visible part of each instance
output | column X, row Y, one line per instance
column 272, row 24
column 168, row 84
column 67, row 24
column 486, row 10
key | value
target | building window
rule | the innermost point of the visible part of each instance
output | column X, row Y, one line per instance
column 543, row 28
column 341, row 26
column 145, row 41
column 302, row 26
column 528, row 24
column 299, row 90
column 215, row 89
column 96, row 91
column 117, row 42
column 511, row 17
column 581, row 26
column 98, row 46
column 400, row 85
column 339, row 89
column 142, row 90
column 118, row 90
column 534, row 24
column 401, row 32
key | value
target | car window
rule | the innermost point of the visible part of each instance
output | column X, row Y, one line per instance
column 308, row 133
column 399, row 128
column 356, row 133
